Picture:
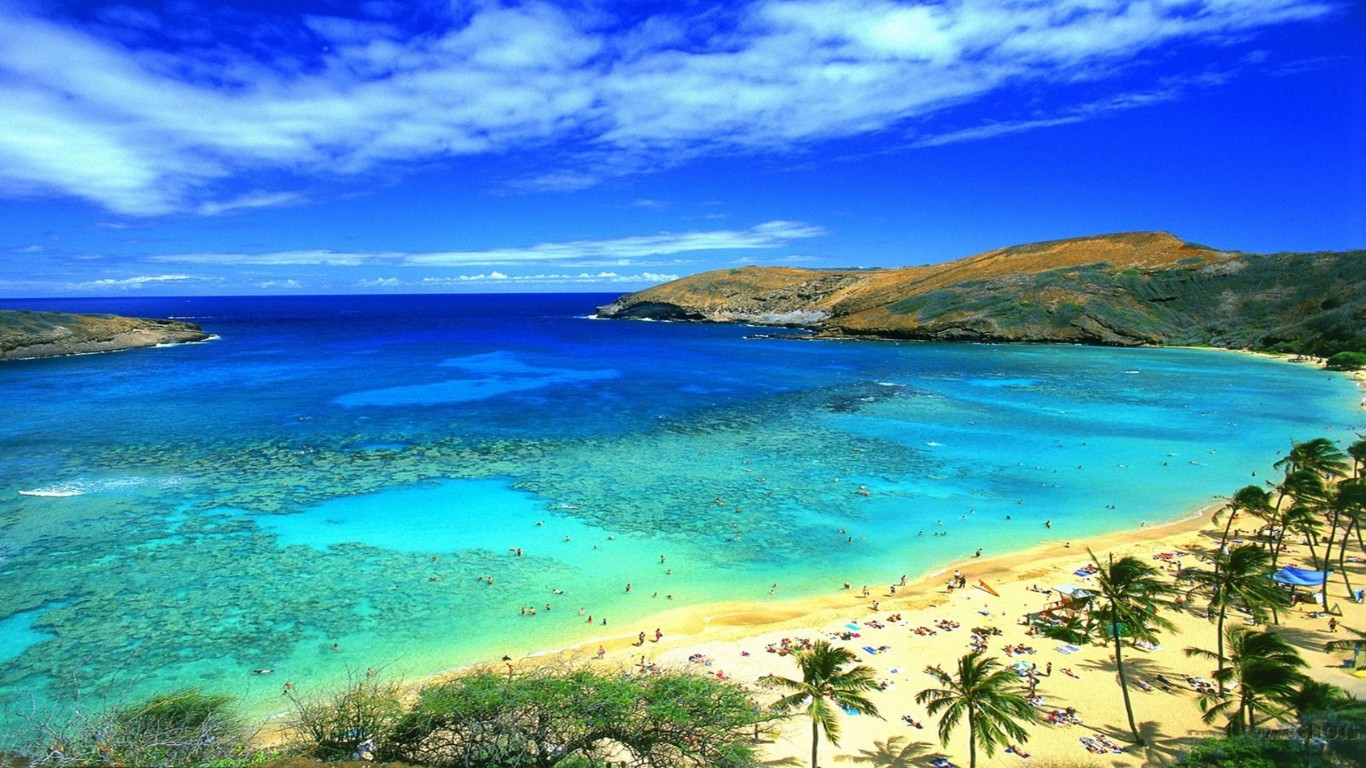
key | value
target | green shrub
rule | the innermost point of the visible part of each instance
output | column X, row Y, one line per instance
column 1347, row 361
column 1253, row 751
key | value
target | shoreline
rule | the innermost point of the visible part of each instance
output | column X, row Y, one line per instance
column 697, row 620
column 738, row 621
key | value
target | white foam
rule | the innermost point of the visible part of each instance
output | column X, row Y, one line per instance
column 59, row 490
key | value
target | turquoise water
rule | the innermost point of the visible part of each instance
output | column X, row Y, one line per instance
column 365, row 471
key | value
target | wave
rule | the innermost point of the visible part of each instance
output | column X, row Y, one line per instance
column 205, row 340
column 69, row 488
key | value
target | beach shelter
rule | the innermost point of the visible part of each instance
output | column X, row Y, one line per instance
column 1301, row 577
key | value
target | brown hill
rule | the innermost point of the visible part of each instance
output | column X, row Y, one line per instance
column 25, row 334
column 1122, row 289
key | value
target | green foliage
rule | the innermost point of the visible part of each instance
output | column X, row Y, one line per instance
column 1347, row 361
column 578, row 717
column 1253, row 751
column 1071, row 632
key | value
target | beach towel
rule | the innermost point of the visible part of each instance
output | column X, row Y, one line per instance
column 870, row 649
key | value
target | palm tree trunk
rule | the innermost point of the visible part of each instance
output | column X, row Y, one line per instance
column 1332, row 535
column 1223, row 539
column 1275, row 553
column 1219, row 642
column 1342, row 558
column 815, row 740
column 1124, row 684
column 972, row 740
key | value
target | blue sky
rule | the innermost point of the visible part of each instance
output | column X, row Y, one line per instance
column 266, row 146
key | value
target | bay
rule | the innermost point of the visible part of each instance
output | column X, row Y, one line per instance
column 341, row 483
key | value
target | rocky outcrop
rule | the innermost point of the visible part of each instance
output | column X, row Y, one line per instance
column 1141, row 288
column 25, row 334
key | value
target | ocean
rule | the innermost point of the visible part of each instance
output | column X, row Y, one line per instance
column 340, row 483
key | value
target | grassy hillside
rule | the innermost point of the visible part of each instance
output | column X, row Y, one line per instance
column 1126, row 289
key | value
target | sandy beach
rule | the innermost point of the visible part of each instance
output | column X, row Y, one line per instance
column 744, row 641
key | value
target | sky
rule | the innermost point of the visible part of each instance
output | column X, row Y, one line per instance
column 242, row 147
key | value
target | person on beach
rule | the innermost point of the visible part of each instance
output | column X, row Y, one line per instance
column 658, row 635
column 640, row 639
column 601, row 652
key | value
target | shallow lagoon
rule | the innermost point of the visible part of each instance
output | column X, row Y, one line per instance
column 355, row 471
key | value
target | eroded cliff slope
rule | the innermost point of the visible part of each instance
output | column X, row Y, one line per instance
column 25, row 334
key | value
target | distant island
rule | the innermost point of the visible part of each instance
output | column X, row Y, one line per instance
column 25, row 334
column 1129, row 289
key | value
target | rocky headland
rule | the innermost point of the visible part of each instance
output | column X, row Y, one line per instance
column 25, row 334
column 1129, row 289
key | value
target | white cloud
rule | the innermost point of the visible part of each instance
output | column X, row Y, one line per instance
column 772, row 234
column 147, row 131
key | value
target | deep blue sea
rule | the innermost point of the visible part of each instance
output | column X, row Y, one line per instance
column 401, row 476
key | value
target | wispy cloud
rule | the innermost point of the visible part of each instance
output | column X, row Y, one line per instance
column 772, row 234
column 596, row 278
column 248, row 202
column 139, row 113
column 134, row 283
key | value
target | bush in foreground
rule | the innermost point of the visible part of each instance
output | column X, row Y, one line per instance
column 182, row 729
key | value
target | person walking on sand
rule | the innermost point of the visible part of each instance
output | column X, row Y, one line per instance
column 658, row 635
column 601, row 652
column 640, row 639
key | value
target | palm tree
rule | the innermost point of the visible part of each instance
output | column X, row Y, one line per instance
column 1319, row 455
column 1267, row 670
column 1131, row 592
column 1357, row 451
column 1250, row 498
column 1313, row 697
column 988, row 695
column 1349, row 506
column 825, row 686
column 1307, row 493
column 1240, row 577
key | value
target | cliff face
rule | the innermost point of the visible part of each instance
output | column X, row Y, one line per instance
column 49, row 334
column 1125, row 290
